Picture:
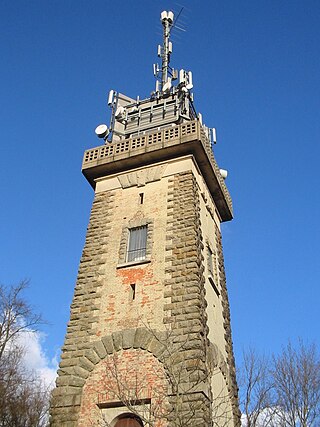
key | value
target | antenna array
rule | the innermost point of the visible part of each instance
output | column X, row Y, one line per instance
column 167, row 106
column 166, row 74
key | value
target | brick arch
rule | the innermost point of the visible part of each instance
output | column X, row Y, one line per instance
column 137, row 338
column 141, row 377
column 74, row 372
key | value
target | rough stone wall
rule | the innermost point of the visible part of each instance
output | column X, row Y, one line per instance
column 76, row 353
column 171, row 299
column 185, row 293
column 231, row 369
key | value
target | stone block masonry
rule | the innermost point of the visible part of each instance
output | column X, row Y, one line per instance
column 78, row 357
column 160, row 336
column 233, row 388
column 185, row 309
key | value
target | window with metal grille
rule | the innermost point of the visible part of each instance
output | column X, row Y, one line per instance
column 137, row 244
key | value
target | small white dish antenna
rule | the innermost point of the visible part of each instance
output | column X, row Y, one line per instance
column 102, row 131
column 224, row 173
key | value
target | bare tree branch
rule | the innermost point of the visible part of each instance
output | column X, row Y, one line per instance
column 24, row 399
column 166, row 392
column 296, row 374
column 16, row 315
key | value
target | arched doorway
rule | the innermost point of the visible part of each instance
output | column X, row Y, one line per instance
column 128, row 420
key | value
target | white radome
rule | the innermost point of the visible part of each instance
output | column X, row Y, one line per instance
column 101, row 130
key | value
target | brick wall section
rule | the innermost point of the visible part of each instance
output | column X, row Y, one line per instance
column 77, row 372
column 228, row 337
column 131, row 374
column 84, row 308
column 185, row 297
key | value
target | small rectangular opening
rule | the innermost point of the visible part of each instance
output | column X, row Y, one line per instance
column 210, row 260
column 132, row 292
column 141, row 195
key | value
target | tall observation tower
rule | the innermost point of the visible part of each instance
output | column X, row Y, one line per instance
column 149, row 340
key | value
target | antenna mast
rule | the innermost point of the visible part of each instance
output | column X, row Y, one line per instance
column 167, row 21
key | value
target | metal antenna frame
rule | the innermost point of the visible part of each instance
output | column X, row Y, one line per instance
column 176, row 20
column 169, row 22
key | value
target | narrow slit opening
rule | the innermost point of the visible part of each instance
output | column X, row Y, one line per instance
column 132, row 292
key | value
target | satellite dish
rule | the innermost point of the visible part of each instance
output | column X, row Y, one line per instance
column 189, row 86
column 102, row 131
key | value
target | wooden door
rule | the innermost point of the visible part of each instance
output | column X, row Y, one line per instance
column 128, row 422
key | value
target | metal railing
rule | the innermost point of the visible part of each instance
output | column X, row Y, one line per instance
column 137, row 254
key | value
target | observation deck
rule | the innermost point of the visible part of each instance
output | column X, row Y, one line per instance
column 160, row 145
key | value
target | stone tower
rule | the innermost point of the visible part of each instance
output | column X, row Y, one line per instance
column 149, row 340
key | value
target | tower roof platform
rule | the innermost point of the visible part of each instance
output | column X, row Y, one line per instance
column 160, row 145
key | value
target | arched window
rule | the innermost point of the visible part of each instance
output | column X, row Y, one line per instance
column 128, row 420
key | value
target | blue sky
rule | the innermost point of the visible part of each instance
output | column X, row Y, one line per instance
column 256, row 71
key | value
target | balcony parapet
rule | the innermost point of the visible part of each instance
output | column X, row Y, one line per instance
column 163, row 144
